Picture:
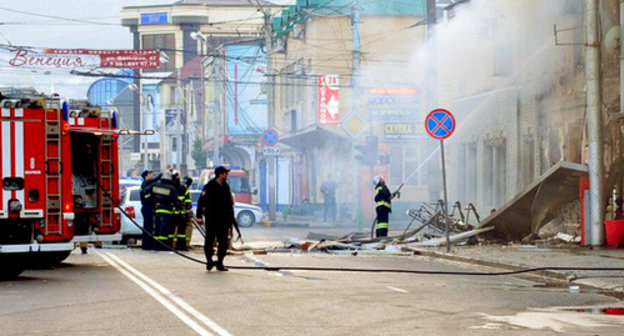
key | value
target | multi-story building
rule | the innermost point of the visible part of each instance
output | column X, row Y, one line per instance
column 517, row 91
column 364, row 48
column 182, row 31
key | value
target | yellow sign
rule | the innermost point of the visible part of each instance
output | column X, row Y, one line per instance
column 394, row 131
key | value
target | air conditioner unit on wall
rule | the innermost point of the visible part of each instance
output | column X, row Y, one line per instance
column 280, row 45
column 298, row 31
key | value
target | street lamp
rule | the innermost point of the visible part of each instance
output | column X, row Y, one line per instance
column 203, row 39
column 143, row 100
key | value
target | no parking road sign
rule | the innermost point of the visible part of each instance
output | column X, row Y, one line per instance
column 440, row 124
column 270, row 137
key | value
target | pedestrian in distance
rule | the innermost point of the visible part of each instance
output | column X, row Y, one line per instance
column 147, row 208
column 383, row 206
column 190, row 216
column 215, row 208
column 328, row 189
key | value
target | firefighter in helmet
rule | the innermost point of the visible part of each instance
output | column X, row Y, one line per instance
column 165, row 198
column 190, row 215
column 383, row 206
column 177, row 236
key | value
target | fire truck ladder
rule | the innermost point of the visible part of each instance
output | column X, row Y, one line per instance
column 106, row 177
column 53, row 168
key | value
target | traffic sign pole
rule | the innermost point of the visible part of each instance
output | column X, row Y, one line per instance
column 270, row 138
column 447, row 233
column 440, row 124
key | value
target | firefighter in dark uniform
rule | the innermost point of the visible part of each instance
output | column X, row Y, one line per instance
column 165, row 199
column 190, row 216
column 178, row 234
column 217, row 206
column 383, row 206
column 147, row 209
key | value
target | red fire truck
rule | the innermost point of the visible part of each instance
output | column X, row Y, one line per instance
column 58, row 161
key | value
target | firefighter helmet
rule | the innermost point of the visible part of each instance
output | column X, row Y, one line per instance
column 188, row 181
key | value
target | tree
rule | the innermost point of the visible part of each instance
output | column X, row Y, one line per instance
column 198, row 154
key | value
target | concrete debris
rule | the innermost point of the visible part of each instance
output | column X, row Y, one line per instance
column 535, row 206
column 566, row 237
column 441, row 241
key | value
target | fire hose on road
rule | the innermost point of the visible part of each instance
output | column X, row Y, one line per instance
column 365, row 270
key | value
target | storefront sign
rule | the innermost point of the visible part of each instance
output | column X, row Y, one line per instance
column 329, row 96
column 400, row 131
column 393, row 103
column 35, row 58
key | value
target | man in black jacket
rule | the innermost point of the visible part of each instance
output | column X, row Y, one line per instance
column 147, row 208
column 216, row 204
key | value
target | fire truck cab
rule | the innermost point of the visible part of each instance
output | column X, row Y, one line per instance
column 58, row 164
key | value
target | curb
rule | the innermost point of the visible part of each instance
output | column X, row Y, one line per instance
column 510, row 267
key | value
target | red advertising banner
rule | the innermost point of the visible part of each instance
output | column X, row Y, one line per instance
column 18, row 57
column 329, row 97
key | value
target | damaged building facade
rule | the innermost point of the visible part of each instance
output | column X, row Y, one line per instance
column 518, row 92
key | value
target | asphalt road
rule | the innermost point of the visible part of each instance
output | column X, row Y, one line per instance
column 134, row 292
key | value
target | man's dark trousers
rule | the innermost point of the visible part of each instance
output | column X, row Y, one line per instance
column 221, row 235
column 147, row 241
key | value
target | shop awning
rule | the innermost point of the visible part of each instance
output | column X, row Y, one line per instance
column 315, row 136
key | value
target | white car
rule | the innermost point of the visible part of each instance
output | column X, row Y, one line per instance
column 246, row 214
column 127, row 182
column 131, row 204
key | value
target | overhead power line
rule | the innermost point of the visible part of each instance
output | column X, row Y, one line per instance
column 58, row 17
column 112, row 75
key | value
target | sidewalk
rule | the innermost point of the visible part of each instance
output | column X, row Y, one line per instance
column 306, row 222
column 519, row 257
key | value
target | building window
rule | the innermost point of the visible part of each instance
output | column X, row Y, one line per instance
column 174, row 144
column 404, row 161
column 528, row 159
column 172, row 96
column 396, row 165
column 502, row 60
column 471, row 173
column 166, row 44
column 495, row 172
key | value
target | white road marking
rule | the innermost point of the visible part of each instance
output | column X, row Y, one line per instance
column 181, row 303
column 175, row 310
column 397, row 289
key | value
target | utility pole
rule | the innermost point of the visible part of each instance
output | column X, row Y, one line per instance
column 184, row 144
column 178, row 109
column 594, row 123
column 355, row 101
column 270, row 110
column 142, row 139
column 163, row 140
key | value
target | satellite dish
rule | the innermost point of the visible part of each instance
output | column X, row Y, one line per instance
column 612, row 38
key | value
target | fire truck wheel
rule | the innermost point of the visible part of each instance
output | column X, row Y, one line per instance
column 11, row 271
column 48, row 259
column 58, row 257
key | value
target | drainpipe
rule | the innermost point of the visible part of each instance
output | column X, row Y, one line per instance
column 621, row 57
column 594, row 123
